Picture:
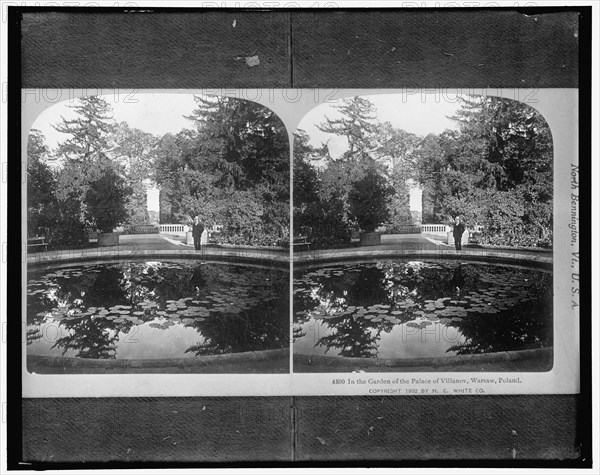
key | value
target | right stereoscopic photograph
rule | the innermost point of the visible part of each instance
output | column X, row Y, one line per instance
column 423, row 235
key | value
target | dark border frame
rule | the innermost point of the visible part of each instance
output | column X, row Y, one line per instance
column 14, row 415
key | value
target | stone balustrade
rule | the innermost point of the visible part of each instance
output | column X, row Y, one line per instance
column 173, row 228
column 443, row 228
column 435, row 228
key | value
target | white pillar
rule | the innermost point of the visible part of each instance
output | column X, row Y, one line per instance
column 152, row 199
column 415, row 199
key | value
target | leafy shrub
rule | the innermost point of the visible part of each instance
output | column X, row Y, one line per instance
column 105, row 200
column 67, row 229
column 248, row 220
column 368, row 200
column 325, row 222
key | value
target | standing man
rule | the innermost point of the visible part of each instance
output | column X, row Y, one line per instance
column 457, row 232
column 197, row 230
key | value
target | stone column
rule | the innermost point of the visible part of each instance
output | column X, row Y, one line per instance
column 415, row 201
column 152, row 201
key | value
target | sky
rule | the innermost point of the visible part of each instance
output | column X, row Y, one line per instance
column 163, row 113
column 418, row 113
column 157, row 114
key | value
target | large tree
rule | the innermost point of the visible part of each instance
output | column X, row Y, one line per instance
column 368, row 152
column 134, row 150
column 496, row 170
column 430, row 169
column 368, row 200
column 88, row 132
column 87, row 159
column 57, row 220
column 41, row 184
column 106, row 198
column 232, row 169
column 518, row 165
column 306, row 179
column 320, row 215
column 357, row 125
column 86, row 145
column 396, row 151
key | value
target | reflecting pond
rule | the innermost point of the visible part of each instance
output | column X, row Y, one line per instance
column 409, row 309
column 146, row 309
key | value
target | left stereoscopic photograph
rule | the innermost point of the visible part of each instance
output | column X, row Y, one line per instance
column 157, row 232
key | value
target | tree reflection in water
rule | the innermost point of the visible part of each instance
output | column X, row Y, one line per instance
column 88, row 339
column 254, row 320
column 526, row 326
column 73, row 293
column 355, row 337
column 494, row 308
column 233, row 308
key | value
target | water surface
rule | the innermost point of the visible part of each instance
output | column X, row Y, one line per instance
column 410, row 309
column 148, row 309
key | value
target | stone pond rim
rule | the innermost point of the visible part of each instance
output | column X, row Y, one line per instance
column 190, row 362
column 444, row 363
column 537, row 260
column 278, row 258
